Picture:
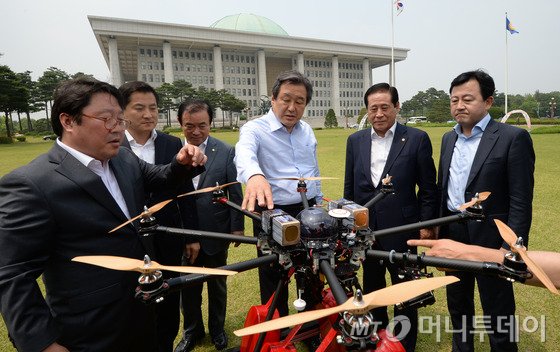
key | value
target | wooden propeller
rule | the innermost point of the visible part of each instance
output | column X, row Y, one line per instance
column 145, row 266
column 388, row 296
column 157, row 207
column 208, row 189
column 478, row 198
column 517, row 246
column 312, row 178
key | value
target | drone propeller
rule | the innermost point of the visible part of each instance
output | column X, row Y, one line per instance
column 313, row 178
column 157, row 207
column 517, row 246
column 387, row 296
column 217, row 187
column 145, row 266
column 478, row 197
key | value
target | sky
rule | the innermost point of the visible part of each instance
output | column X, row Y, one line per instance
column 445, row 37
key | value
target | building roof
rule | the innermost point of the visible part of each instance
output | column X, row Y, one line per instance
column 249, row 22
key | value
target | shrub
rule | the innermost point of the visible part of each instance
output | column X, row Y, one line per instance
column 6, row 140
column 20, row 138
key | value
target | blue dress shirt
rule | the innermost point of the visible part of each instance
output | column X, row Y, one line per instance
column 461, row 162
column 266, row 147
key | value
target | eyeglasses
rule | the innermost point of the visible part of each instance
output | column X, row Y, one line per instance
column 111, row 121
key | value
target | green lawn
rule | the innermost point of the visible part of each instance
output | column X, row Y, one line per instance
column 243, row 288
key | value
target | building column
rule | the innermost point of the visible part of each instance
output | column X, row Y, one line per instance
column 114, row 65
column 261, row 67
column 300, row 63
column 167, row 62
column 218, row 73
column 335, row 87
column 393, row 83
column 367, row 74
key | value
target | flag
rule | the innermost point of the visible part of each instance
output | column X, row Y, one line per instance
column 510, row 27
column 400, row 7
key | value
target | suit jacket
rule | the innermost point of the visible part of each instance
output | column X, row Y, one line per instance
column 410, row 163
column 220, row 168
column 52, row 210
column 180, row 213
column 504, row 164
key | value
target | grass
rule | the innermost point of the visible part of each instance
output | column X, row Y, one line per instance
column 243, row 289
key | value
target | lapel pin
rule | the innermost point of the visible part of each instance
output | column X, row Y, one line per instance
column 402, row 139
column 213, row 149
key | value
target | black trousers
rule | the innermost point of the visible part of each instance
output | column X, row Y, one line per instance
column 498, row 306
column 374, row 279
column 269, row 276
column 191, row 298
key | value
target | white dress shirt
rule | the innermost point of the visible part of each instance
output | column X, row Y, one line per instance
column 103, row 171
column 146, row 151
column 202, row 148
column 380, row 147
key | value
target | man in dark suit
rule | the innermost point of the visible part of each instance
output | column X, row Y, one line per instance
column 404, row 153
column 62, row 205
column 483, row 155
column 154, row 147
column 195, row 117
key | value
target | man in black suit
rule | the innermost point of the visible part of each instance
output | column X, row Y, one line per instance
column 154, row 147
column 404, row 153
column 62, row 205
column 195, row 117
column 483, row 155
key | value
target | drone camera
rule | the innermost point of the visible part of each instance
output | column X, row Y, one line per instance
column 284, row 228
column 359, row 218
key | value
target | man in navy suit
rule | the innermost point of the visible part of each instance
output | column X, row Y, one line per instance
column 62, row 205
column 195, row 117
column 483, row 155
column 404, row 153
column 155, row 147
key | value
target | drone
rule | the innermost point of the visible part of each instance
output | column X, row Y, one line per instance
column 322, row 246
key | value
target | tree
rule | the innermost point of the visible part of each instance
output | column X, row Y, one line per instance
column 167, row 94
column 422, row 102
column 47, row 83
column 330, row 119
column 31, row 104
column 9, row 100
column 264, row 104
column 439, row 111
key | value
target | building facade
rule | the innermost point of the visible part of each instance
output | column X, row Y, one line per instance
column 242, row 54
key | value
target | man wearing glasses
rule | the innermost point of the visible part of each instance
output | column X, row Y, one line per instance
column 62, row 205
column 155, row 147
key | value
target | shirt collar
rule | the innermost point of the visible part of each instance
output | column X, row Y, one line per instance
column 477, row 129
column 202, row 145
column 132, row 141
column 390, row 132
column 274, row 122
column 82, row 158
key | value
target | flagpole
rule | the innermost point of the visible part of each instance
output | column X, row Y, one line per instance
column 506, row 88
column 392, row 75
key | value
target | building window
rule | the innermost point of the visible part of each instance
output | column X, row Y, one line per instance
column 142, row 53
column 174, row 54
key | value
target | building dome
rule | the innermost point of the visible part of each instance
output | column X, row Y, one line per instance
column 249, row 23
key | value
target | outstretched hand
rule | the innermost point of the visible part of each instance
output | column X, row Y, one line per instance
column 257, row 189
column 446, row 248
column 191, row 155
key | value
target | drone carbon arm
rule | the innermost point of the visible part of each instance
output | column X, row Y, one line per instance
column 489, row 268
column 206, row 234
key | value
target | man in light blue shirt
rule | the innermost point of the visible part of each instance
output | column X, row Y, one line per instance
column 273, row 146
column 479, row 155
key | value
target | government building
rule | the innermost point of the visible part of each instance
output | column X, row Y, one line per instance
column 242, row 54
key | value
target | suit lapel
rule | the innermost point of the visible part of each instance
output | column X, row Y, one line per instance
column 211, row 151
column 365, row 154
column 487, row 142
column 399, row 141
column 448, row 145
column 126, row 186
column 71, row 168
column 160, row 150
